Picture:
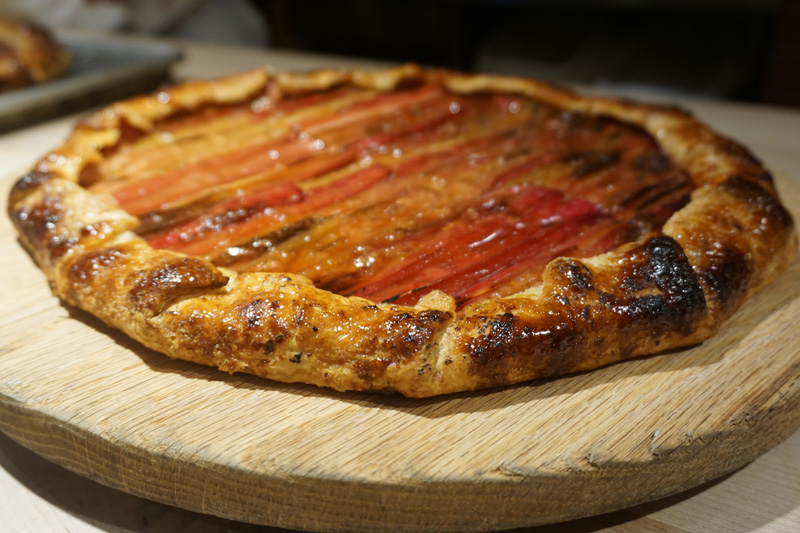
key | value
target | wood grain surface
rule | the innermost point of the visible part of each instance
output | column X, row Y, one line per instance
column 86, row 397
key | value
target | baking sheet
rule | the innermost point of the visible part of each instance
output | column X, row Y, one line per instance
column 103, row 68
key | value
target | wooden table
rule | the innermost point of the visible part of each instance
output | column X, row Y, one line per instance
column 764, row 496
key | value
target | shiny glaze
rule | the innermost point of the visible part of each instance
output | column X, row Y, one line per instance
column 390, row 196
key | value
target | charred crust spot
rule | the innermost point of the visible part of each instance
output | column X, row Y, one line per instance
column 260, row 321
column 406, row 334
column 726, row 274
column 506, row 343
column 253, row 313
column 154, row 289
column 646, row 308
column 579, row 276
column 680, row 297
column 269, row 347
column 501, row 326
column 296, row 358
column 655, row 291
column 758, row 199
column 434, row 316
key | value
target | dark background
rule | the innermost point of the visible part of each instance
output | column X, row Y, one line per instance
column 746, row 50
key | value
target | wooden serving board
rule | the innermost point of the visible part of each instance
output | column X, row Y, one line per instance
column 295, row 456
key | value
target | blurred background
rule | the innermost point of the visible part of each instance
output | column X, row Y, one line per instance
column 744, row 50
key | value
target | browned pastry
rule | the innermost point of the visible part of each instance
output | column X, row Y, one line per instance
column 417, row 231
column 28, row 55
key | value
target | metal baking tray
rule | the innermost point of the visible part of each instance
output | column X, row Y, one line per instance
column 103, row 69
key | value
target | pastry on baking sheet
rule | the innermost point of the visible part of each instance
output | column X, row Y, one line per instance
column 417, row 231
column 28, row 55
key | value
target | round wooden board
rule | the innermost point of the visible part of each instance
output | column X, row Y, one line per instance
column 295, row 456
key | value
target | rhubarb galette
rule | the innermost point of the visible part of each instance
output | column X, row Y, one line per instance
column 417, row 231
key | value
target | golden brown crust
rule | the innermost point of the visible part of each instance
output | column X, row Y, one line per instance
column 28, row 55
column 667, row 290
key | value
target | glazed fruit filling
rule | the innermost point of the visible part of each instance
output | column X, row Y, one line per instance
column 391, row 196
